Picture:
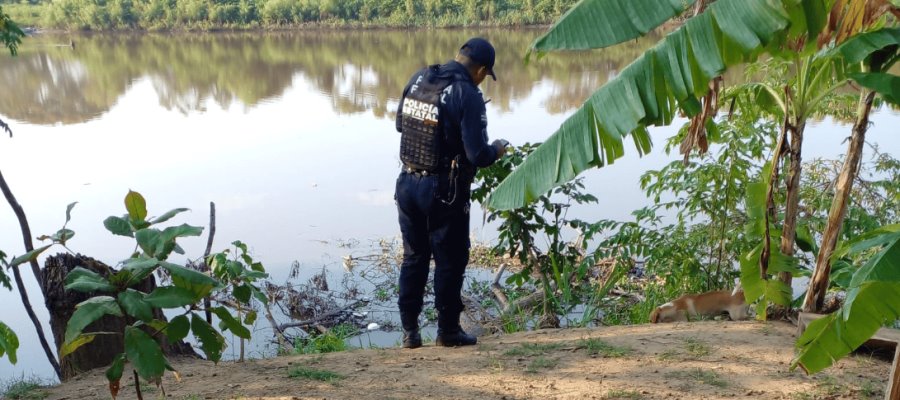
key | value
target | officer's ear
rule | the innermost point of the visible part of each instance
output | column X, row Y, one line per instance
column 482, row 72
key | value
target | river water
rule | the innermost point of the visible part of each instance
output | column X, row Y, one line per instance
column 291, row 134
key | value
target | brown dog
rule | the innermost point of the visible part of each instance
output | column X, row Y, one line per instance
column 705, row 304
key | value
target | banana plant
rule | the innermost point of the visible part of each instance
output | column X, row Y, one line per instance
column 756, row 281
column 670, row 78
column 812, row 91
column 868, row 59
column 872, row 301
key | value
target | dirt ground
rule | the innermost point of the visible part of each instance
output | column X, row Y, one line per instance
column 703, row 360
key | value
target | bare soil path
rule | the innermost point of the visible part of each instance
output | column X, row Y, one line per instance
column 703, row 360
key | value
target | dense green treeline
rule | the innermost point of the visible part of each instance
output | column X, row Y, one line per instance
column 242, row 14
column 360, row 70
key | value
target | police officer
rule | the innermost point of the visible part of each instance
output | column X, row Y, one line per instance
column 443, row 128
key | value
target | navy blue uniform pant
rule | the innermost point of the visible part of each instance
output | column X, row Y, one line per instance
column 431, row 227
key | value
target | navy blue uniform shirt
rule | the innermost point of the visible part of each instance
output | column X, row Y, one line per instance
column 463, row 115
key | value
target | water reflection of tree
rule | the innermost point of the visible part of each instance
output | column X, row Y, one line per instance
column 358, row 71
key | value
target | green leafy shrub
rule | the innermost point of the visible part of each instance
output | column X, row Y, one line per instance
column 546, row 220
column 332, row 341
column 186, row 291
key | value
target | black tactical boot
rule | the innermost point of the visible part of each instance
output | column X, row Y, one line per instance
column 411, row 339
column 450, row 334
column 454, row 338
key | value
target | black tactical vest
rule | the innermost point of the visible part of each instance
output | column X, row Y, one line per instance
column 422, row 140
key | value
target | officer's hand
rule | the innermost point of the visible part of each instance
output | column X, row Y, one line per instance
column 500, row 145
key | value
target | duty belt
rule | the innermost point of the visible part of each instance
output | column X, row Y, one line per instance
column 419, row 172
column 424, row 172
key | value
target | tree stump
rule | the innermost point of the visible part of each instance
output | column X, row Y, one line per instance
column 61, row 304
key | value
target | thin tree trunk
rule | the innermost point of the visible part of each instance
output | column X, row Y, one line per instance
column 207, row 304
column 548, row 320
column 20, row 284
column 36, row 322
column 789, row 229
column 137, row 385
column 23, row 224
column 815, row 295
column 721, row 249
column 548, row 315
column 770, row 213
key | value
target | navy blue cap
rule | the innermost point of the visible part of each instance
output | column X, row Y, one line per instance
column 481, row 51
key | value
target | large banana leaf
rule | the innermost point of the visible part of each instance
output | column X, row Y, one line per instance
column 674, row 73
column 879, row 50
column 756, row 289
column 873, row 300
column 765, row 291
column 868, row 240
column 594, row 24
column 861, row 46
column 887, row 85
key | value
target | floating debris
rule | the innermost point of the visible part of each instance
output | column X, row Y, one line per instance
column 348, row 263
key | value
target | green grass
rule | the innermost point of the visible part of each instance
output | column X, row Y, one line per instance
column 494, row 363
column 332, row 341
column 696, row 348
column 599, row 347
column 869, row 390
column 515, row 322
column 698, row 375
column 625, row 313
column 147, row 388
column 669, row 355
column 829, row 386
column 532, row 349
column 315, row 374
column 693, row 349
column 618, row 394
column 541, row 363
column 23, row 389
